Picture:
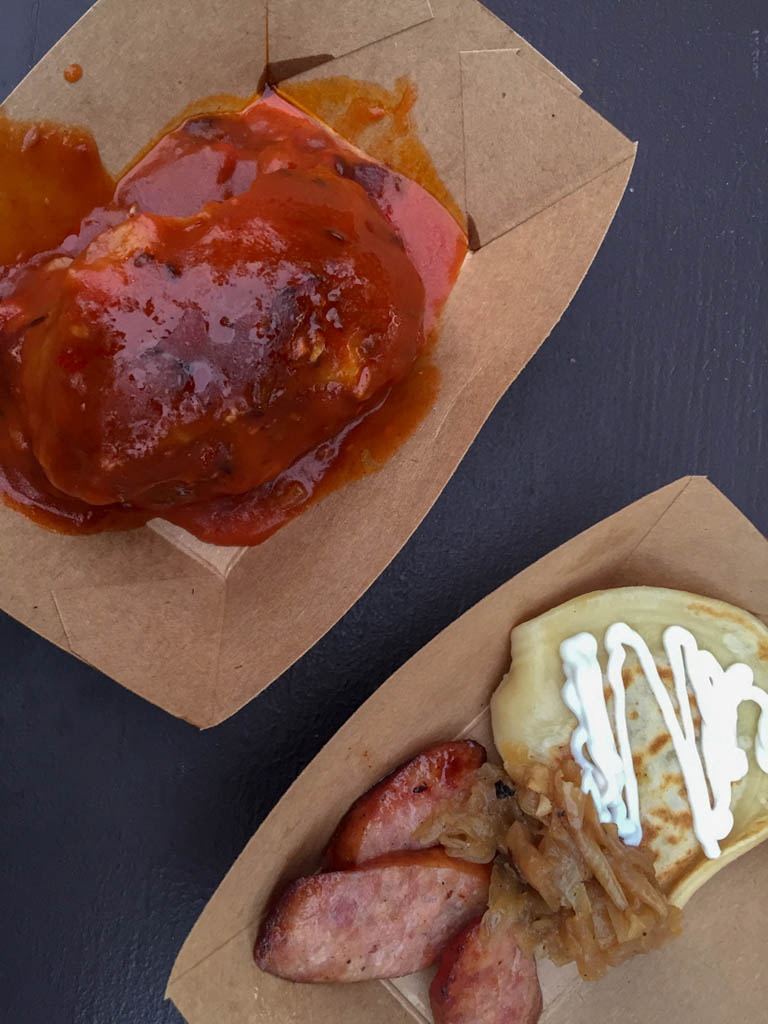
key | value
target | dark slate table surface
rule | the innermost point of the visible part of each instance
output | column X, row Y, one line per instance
column 116, row 821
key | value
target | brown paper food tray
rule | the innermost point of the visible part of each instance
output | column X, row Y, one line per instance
column 200, row 629
column 686, row 535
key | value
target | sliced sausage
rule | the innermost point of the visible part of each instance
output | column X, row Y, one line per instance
column 386, row 918
column 485, row 978
column 385, row 817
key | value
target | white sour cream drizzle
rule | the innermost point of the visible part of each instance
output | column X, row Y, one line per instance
column 608, row 773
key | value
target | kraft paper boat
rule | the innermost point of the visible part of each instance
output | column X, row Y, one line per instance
column 200, row 629
column 687, row 536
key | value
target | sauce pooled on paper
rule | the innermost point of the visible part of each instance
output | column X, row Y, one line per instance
column 235, row 328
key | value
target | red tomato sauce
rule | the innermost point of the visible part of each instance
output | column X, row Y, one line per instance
column 236, row 327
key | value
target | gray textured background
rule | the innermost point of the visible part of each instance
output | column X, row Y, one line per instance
column 117, row 822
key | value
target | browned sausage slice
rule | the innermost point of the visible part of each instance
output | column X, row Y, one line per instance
column 485, row 978
column 389, row 917
column 384, row 818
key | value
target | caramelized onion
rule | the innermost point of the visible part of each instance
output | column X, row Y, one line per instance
column 474, row 829
column 563, row 881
